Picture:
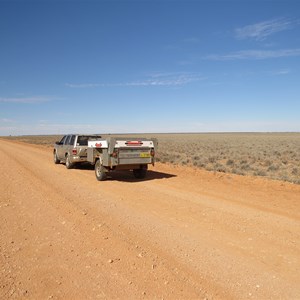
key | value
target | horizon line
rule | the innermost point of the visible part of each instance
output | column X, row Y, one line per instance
column 185, row 132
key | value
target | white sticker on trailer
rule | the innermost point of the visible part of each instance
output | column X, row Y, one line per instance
column 98, row 144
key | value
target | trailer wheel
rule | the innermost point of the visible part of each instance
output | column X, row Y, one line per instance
column 141, row 172
column 100, row 171
column 69, row 165
column 55, row 159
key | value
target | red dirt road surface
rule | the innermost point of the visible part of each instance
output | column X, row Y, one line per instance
column 179, row 234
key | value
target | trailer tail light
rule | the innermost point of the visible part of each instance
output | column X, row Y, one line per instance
column 134, row 143
column 74, row 151
column 152, row 152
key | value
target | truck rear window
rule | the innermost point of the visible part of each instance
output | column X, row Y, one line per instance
column 83, row 140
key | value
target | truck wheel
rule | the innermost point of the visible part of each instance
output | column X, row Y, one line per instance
column 99, row 171
column 140, row 173
column 69, row 165
column 56, row 160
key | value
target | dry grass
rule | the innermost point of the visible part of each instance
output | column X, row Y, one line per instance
column 47, row 140
column 273, row 155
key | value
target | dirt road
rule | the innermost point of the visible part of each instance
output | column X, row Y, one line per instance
column 180, row 234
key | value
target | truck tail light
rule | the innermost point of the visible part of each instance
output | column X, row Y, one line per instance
column 152, row 152
column 74, row 151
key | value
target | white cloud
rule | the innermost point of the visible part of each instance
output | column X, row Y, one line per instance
column 281, row 72
column 5, row 120
column 160, row 127
column 255, row 54
column 60, row 129
column 167, row 79
column 260, row 31
column 247, row 126
column 25, row 100
column 84, row 85
column 157, row 79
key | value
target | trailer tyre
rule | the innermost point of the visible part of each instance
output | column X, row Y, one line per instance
column 55, row 159
column 69, row 165
column 100, row 171
column 140, row 173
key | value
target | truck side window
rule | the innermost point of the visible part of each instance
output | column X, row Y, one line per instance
column 72, row 140
column 62, row 140
column 67, row 140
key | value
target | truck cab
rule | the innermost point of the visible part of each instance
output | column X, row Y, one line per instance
column 72, row 149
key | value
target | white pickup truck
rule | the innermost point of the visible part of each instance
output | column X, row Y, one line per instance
column 121, row 153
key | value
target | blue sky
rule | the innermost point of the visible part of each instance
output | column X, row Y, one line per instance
column 149, row 66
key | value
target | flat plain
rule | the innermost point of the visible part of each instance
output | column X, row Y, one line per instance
column 271, row 155
column 181, row 233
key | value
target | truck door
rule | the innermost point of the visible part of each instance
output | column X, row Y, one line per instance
column 59, row 149
column 66, row 145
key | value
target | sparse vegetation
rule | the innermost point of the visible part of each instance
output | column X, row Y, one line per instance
column 47, row 140
column 271, row 155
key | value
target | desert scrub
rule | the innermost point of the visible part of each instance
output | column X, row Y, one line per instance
column 47, row 140
column 271, row 155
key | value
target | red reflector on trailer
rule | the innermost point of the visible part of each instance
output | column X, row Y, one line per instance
column 134, row 143
column 74, row 151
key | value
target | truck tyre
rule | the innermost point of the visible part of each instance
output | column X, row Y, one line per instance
column 69, row 165
column 140, row 173
column 100, row 171
column 55, row 159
